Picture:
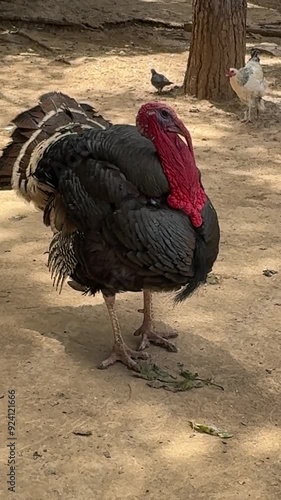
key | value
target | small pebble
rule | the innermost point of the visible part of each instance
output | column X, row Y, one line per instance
column 51, row 470
column 269, row 272
column 81, row 432
column 17, row 217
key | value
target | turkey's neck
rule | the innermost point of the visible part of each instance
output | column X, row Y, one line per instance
column 179, row 166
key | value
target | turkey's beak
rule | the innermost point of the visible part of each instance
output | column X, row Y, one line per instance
column 228, row 75
column 176, row 129
column 181, row 130
column 182, row 137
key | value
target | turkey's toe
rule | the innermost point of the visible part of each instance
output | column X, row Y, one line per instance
column 124, row 355
column 151, row 337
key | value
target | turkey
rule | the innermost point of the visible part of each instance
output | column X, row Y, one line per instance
column 159, row 81
column 250, row 85
column 126, row 205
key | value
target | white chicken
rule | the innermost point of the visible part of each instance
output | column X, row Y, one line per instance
column 250, row 85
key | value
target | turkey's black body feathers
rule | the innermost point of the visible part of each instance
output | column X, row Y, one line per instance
column 113, row 190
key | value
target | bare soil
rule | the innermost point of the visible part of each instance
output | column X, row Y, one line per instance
column 142, row 446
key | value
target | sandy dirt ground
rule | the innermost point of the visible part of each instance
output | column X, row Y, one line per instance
column 141, row 445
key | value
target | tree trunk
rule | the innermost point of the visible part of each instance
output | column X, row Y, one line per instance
column 218, row 43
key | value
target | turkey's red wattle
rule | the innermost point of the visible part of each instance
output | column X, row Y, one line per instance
column 178, row 163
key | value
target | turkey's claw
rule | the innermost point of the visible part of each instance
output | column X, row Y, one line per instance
column 125, row 355
column 151, row 337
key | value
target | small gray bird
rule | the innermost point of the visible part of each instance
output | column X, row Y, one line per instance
column 159, row 81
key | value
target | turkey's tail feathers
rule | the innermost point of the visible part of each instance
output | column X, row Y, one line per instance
column 200, row 270
column 56, row 116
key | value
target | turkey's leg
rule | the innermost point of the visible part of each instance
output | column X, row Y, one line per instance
column 121, row 352
column 147, row 328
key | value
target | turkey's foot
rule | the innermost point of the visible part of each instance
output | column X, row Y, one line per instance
column 125, row 355
column 149, row 336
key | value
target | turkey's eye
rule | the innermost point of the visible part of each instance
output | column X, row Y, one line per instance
column 164, row 113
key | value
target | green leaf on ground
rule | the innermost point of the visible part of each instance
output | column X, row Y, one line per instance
column 161, row 379
column 210, row 429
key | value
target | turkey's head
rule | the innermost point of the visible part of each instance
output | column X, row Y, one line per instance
column 156, row 116
column 159, row 123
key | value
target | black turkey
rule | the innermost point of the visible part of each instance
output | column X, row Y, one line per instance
column 126, row 204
